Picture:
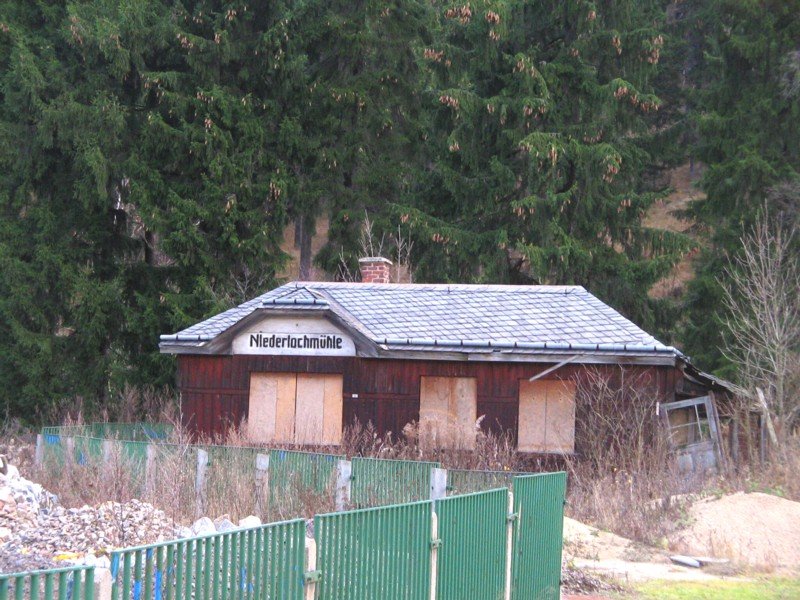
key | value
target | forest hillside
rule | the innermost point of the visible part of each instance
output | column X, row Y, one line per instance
column 162, row 160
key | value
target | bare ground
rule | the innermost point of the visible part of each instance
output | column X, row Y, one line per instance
column 757, row 533
column 666, row 214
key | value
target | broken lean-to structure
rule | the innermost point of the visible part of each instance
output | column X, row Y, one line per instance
column 308, row 358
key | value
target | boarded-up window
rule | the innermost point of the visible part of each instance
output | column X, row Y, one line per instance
column 447, row 411
column 546, row 416
column 295, row 408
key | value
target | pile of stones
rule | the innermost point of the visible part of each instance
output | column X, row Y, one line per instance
column 36, row 532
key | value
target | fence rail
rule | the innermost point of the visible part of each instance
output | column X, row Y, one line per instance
column 71, row 583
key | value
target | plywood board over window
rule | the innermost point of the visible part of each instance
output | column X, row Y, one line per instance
column 546, row 416
column 447, row 411
column 295, row 408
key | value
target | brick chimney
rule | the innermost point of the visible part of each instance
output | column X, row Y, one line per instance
column 375, row 269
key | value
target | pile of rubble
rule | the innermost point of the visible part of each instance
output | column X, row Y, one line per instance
column 36, row 532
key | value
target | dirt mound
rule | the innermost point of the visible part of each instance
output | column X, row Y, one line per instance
column 585, row 541
column 611, row 558
column 756, row 530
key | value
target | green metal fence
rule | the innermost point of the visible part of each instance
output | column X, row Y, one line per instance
column 375, row 553
column 536, row 564
column 296, row 478
column 72, row 583
column 385, row 552
column 88, row 450
column 461, row 481
column 472, row 555
column 376, row 481
column 132, row 432
column 263, row 563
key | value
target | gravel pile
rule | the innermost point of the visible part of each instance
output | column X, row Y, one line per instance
column 36, row 533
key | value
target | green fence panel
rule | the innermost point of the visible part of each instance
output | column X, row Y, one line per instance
column 264, row 563
column 132, row 432
column 300, row 479
column 230, row 480
column 132, row 457
column 375, row 553
column 536, row 565
column 376, row 481
column 71, row 583
column 466, row 482
column 472, row 555
column 88, row 450
column 53, row 449
column 67, row 430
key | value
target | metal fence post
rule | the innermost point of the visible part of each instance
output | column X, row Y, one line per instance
column 102, row 584
column 435, row 541
column 438, row 483
column 344, row 471
column 262, row 480
column 512, row 518
column 69, row 443
column 200, row 482
column 149, row 465
column 39, row 449
column 108, row 450
column 310, row 579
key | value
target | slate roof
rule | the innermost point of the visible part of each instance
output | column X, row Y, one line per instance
column 460, row 318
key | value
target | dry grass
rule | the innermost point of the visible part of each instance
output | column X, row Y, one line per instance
column 490, row 451
column 778, row 476
column 625, row 479
column 232, row 487
column 620, row 481
column 645, row 505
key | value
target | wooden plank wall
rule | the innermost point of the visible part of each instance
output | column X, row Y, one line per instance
column 214, row 389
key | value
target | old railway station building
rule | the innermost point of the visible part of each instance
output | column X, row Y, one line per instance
column 303, row 361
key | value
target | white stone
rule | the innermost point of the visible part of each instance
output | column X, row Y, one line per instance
column 184, row 532
column 203, row 526
column 224, row 525
column 250, row 521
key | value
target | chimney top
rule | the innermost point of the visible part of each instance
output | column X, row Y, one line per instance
column 375, row 269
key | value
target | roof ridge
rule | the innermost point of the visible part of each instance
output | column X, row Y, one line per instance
column 440, row 286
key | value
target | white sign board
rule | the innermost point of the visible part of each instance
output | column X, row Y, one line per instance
column 299, row 337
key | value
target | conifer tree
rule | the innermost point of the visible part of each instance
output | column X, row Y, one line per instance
column 747, row 126
column 142, row 182
column 544, row 112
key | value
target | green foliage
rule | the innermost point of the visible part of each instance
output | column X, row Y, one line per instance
column 152, row 152
column 541, row 115
column 747, row 123
column 762, row 589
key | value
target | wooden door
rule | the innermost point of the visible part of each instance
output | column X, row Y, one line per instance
column 295, row 408
column 448, row 411
column 271, row 407
column 546, row 416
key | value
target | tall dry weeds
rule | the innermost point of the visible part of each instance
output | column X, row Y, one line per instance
column 623, row 477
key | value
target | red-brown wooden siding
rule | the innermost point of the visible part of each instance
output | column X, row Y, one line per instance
column 214, row 389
